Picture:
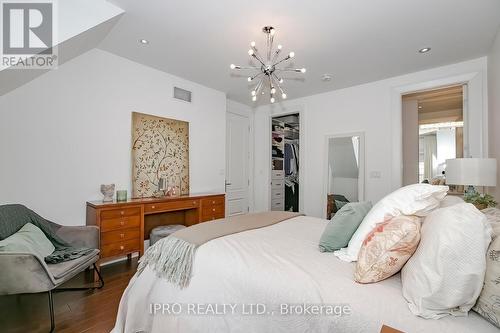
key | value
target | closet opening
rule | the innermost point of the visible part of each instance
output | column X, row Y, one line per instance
column 285, row 132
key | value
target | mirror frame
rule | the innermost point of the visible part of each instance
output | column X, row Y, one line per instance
column 361, row 179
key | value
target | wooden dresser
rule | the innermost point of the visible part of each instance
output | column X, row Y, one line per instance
column 125, row 225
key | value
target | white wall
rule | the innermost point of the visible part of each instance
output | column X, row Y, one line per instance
column 494, row 106
column 68, row 131
column 373, row 108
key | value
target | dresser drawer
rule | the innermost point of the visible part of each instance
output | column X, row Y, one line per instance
column 277, row 174
column 212, row 201
column 277, row 194
column 118, row 236
column 278, row 204
column 120, row 212
column 120, row 248
column 120, row 223
column 211, row 217
column 277, row 184
column 213, row 209
column 171, row 206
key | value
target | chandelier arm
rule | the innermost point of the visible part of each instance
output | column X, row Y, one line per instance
column 296, row 70
column 277, row 84
column 277, row 78
column 258, row 86
column 251, row 78
column 259, row 59
column 245, row 68
column 276, row 55
column 284, row 59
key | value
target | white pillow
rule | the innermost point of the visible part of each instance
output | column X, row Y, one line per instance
column 451, row 200
column 416, row 199
column 446, row 273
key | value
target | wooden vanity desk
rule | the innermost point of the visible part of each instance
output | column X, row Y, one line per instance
column 125, row 225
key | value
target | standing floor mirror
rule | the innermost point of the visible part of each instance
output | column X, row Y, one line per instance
column 345, row 171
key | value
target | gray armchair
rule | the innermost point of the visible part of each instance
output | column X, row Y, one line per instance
column 27, row 273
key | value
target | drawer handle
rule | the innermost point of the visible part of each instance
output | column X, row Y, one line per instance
column 122, row 247
column 278, row 194
column 153, row 207
column 194, row 203
column 122, row 212
column 122, row 222
column 122, row 235
column 213, row 209
column 213, row 202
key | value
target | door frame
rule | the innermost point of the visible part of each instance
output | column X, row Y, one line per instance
column 476, row 108
column 302, row 151
column 362, row 164
column 250, row 175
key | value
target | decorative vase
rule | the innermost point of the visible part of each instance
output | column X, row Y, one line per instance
column 108, row 191
column 121, row 195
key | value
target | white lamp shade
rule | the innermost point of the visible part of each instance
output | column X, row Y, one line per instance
column 471, row 171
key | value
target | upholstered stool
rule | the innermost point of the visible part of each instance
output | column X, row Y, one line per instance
column 162, row 232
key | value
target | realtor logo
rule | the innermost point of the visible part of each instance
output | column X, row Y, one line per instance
column 28, row 35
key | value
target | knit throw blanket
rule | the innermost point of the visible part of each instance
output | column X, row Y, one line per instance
column 14, row 217
column 172, row 257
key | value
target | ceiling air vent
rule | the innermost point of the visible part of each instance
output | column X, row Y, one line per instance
column 182, row 94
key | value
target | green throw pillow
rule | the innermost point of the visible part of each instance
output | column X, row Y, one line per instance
column 343, row 225
column 29, row 239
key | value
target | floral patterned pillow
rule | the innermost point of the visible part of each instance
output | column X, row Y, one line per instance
column 387, row 248
column 488, row 303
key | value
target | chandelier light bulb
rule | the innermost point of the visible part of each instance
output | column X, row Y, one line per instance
column 291, row 54
column 281, row 81
column 273, row 90
column 233, row 66
column 303, row 70
column 283, row 95
column 254, row 93
column 272, row 99
column 250, row 52
column 280, row 47
column 252, row 44
column 254, row 98
column 273, row 31
column 249, row 79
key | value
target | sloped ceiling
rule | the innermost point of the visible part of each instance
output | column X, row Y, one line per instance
column 355, row 41
column 82, row 25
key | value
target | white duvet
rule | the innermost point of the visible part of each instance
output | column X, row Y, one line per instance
column 252, row 281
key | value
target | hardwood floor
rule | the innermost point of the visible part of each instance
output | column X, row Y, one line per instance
column 75, row 311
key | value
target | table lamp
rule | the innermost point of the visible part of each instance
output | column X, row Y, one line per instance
column 471, row 172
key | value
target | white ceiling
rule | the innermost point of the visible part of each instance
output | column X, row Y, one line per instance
column 355, row 41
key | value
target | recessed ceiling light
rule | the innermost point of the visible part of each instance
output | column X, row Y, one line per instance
column 144, row 41
column 424, row 50
column 326, row 77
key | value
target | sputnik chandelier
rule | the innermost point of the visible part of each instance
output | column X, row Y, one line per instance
column 269, row 75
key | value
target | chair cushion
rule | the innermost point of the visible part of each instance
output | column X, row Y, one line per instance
column 67, row 268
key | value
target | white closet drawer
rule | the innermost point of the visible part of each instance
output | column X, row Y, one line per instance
column 278, row 204
column 277, row 184
column 278, row 174
column 277, row 193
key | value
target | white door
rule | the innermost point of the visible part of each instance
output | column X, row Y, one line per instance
column 237, row 164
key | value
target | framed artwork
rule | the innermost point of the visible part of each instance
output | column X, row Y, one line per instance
column 160, row 149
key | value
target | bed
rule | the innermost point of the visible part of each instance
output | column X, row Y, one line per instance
column 276, row 270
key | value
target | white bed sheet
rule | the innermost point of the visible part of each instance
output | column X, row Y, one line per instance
column 276, row 265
